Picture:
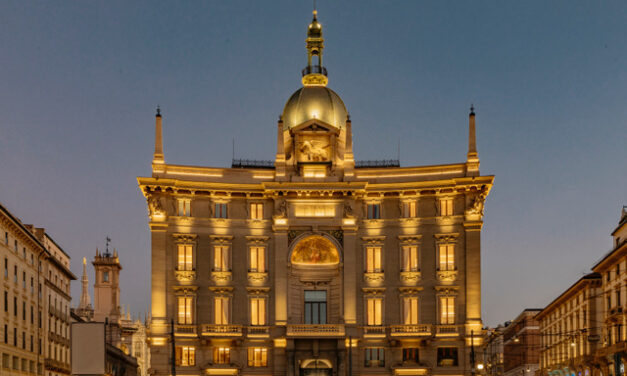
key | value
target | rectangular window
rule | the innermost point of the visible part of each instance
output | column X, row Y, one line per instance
column 375, row 357
column 6, row 301
column 409, row 209
column 374, row 314
column 447, row 357
column 184, row 208
column 447, row 257
column 446, row 206
column 257, row 357
column 315, row 307
column 15, row 245
column 6, row 334
column 373, row 260
column 410, row 258
column 256, row 211
column 220, row 210
column 185, row 257
column 6, row 238
column 411, row 354
column 185, row 356
column 374, row 211
column 24, row 280
column 447, row 310
column 618, row 298
column 258, row 259
column 410, row 310
column 24, row 311
column 221, row 355
column 105, row 277
column 15, row 274
column 6, row 267
column 258, row 311
column 221, row 258
column 185, row 308
column 221, row 310
column 15, row 306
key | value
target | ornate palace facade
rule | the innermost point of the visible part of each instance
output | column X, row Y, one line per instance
column 315, row 265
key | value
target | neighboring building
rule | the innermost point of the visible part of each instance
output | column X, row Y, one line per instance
column 493, row 351
column 116, row 361
column 270, row 268
column 36, row 298
column 521, row 345
column 569, row 329
column 122, row 333
column 613, row 270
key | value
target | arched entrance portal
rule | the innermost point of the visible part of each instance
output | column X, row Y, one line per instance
column 316, row 367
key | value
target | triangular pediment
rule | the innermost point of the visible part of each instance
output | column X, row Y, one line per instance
column 315, row 125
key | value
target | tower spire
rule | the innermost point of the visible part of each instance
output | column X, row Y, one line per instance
column 85, row 302
column 472, row 160
column 158, row 155
column 315, row 74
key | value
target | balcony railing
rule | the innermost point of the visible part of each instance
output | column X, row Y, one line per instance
column 181, row 329
column 420, row 330
column 258, row 331
column 211, row 330
column 447, row 330
column 315, row 330
column 374, row 331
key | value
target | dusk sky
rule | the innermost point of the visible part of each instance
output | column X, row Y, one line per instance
column 80, row 81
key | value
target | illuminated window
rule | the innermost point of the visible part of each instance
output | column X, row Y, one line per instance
column 185, row 257
column 221, row 355
column 409, row 209
column 446, row 206
column 221, row 258
column 185, row 356
column 257, row 357
column 373, row 260
column 315, row 307
column 256, row 211
column 447, row 357
column 374, row 314
column 220, row 210
column 184, row 207
column 185, row 304
column 447, row 256
column 411, row 354
column 221, row 310
column 410, row 310
column 258, row 311
column 410, row 258
column 374, row 211
column 375, row 357
column 447, row 310
column 258, row 259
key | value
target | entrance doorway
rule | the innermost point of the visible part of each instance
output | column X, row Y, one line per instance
column 316, row 367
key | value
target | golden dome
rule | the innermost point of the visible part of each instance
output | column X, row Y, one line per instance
column 314, row 102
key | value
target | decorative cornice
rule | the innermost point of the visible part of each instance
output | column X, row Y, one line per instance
column 221, row 239
column 373, row 240
column 185, row 238
column 409, row 239
column 258, row 290
column 373, row 290
column 446, row 238
column 413, row 290
column 185, row 289
column 257, row 240
column 227, row 290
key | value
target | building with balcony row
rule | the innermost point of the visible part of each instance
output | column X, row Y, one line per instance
column 35, row 324
column 315, row 264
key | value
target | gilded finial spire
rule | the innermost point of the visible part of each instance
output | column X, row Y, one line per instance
column 315, row 74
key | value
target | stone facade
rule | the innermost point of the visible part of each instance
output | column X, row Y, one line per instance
column 315, row 265
column 34, row 332
column 521, row 345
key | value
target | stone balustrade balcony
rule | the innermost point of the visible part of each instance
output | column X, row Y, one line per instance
column 447, row 330
column 213, row 330
column 419, row 330
column 315, row 330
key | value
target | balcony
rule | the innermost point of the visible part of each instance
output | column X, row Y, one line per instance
column 410, row 277
column 315, row 330
column 257, row 278
column 374, row 278
column 185, row 330
column 221, row 277
column 258, row 332
column 211, row 330
column 374, row 331
column 447, row 330
column 420, row 330
column 185, row 275
column 447, row 275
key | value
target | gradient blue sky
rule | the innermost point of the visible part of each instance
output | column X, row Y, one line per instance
column 79, row 83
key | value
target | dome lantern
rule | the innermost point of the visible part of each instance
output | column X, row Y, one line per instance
column 315, row 74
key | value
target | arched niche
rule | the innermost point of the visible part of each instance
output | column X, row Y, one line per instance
column 314, row 250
